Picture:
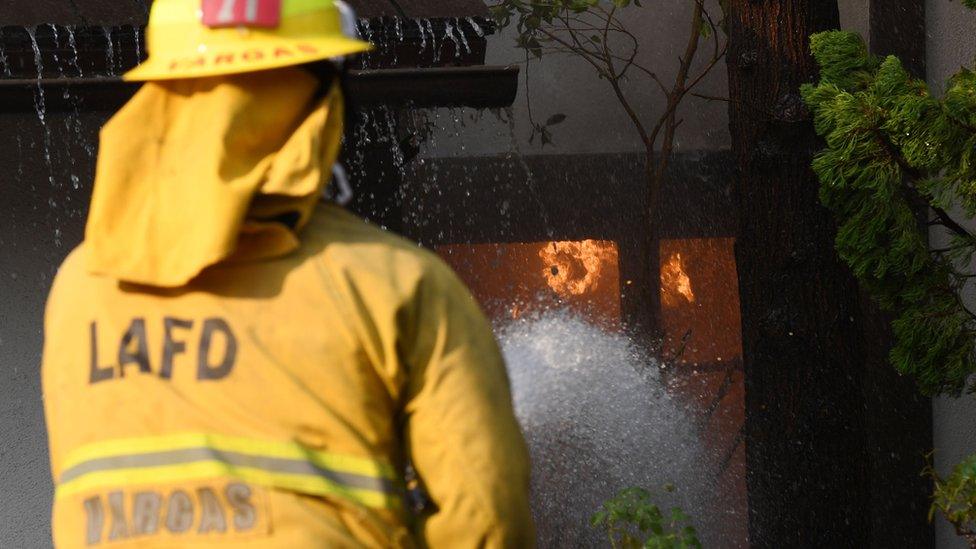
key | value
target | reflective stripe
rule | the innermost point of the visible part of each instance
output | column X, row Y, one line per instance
column 263, row 447
column 190, row 455
column 283, row 465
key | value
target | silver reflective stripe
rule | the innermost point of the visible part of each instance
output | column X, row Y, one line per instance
column 234, row 459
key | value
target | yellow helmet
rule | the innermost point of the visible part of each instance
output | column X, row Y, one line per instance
column 199, row 38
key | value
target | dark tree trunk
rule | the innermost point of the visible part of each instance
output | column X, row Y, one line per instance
column 650, row 320
column 899, row 435
column 805, row 424
column 898, row 28
column 641, row 279
column 899, row 418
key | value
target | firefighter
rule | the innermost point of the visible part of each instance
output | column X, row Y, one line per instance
column 230, row 360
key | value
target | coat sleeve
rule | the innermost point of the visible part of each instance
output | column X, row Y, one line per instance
column 461, row 431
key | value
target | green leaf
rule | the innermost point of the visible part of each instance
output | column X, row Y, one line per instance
column 705, row 30
column 633, row 509
column 889, row 144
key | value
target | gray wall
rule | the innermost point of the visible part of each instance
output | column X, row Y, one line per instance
column 855, row 16
column 597, row 123
column 41, row 218
column 951, row 45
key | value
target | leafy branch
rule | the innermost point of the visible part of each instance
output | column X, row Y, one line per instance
column 893, row 153
column 631, row 520
column 898, row 161
column 594, row 32
column 955, row 498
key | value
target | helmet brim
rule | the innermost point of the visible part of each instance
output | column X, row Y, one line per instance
column 269, row 54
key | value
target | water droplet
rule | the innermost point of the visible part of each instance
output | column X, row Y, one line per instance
column 109, row 51
column 475, row 26
column 72, row 43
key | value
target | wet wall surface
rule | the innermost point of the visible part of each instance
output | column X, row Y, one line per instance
column 134, row 12
column 74, row 12
column 43, row 205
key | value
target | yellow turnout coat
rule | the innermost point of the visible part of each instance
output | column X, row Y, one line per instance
column 264, row 374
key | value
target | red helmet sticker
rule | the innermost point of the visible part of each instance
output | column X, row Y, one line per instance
column 238, row 13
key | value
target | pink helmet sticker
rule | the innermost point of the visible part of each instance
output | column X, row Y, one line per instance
column 242, row 13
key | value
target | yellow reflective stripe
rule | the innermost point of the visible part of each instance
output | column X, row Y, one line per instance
column 210, row 469
column 192, row 456
column 287, row 450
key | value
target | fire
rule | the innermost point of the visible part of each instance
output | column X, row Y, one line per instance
column 675, row 282
column 513, row 280
column 574, row 268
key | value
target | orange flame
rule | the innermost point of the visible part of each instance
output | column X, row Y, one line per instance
column 574, row 268
column 675, row 283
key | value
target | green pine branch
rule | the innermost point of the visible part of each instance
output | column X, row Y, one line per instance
column 894, row 154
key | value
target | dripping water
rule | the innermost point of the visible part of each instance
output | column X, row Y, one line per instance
column 138, row 36
column 453, row 31
column 73, row 44
column 20, row 161
column 4, row 61
column 433, row 41
column 366, row 31
column 398, row 28
column 464, row 39
column 39, row 100
column 395, row 45
column 475, row 26
column 40, row 105
column 109, row 51
column 530, row 182
column 54, row 52
column 449, row 35
column 423, row 34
